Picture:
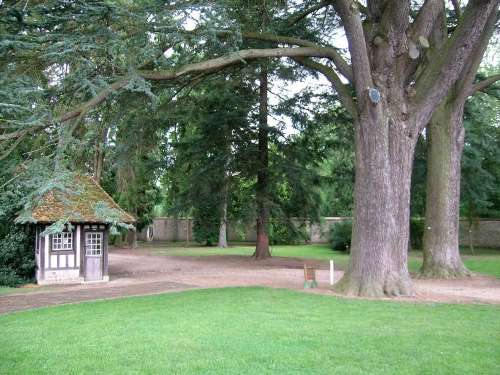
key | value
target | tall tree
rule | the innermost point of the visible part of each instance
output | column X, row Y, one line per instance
column 445, row 145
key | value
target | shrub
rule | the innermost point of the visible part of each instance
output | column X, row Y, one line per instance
column 17, row 258
column 340, row 235
column 206, row 230
column 286, row 232
column 9, row 277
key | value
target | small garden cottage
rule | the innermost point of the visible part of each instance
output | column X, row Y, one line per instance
column 79, row 253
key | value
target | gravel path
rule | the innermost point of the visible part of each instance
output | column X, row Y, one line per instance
column 140, row 273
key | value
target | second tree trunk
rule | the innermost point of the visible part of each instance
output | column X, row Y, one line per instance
column 441, row 237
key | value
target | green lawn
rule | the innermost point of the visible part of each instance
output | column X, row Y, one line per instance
column 24, row 290
column 251, row 331
column 486, row 261
column 6, row 290
column 483, row 261
column 316, row 251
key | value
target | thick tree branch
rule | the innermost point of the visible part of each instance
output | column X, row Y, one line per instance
column 357, row 46
column 343, row 67
column 426, row 18
column 234, row 58
column 481, row 85
column 466, row 78
column 444, row 70
column 95, row 101
column 344, row 94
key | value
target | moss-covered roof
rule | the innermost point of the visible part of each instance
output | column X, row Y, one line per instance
column 85, row 202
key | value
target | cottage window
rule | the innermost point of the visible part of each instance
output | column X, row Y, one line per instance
column 93, row 243
column 62, row 241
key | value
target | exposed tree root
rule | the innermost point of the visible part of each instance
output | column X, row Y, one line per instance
column 392, row 285
column 443, row 271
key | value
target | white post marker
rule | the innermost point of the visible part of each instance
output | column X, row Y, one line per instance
column 331, row 272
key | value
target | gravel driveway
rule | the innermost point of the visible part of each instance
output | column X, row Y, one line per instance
column 137, row 272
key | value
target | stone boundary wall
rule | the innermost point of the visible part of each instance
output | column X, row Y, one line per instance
column 485, row 232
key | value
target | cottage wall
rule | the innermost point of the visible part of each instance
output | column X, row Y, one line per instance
column 58, row 267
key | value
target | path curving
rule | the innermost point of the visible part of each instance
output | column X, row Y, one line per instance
column 138, row 272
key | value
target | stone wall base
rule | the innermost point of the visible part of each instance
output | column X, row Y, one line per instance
column 51, row 277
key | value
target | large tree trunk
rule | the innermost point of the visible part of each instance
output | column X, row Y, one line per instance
column 262, row 246
column 446, row 140
column 384, row 157
column 223, row 220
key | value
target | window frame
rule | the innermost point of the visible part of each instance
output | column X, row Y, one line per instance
column 72, row 237
column 94, row 252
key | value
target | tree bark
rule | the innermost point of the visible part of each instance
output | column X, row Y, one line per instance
column 384, row 157
column 99, row 154
column 262, row 192
column 441, row 233
column 223, row 220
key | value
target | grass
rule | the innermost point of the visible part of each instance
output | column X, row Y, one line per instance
column 6, row 290
column 483, row 260
column 315, row 251
column 251, row 331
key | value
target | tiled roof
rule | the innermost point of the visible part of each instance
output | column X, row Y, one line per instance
column 81, row 206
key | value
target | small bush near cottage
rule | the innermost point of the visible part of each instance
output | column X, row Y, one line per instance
column 340, row 235
column 17, row 263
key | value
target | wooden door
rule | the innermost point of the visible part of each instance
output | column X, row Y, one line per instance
column 93, row 255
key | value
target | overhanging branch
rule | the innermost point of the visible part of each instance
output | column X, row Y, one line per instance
column 200, row 67
column 343, row 92
column 343, row 67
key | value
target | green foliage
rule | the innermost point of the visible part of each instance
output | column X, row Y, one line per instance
column 287, row 232
column 211, row 155
column 480, row 196
column 417, row 226
column 111, row 216
column 419, row 179
column 59, row 226
column 340, row 235
column 206, row 228
column 17, row 263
